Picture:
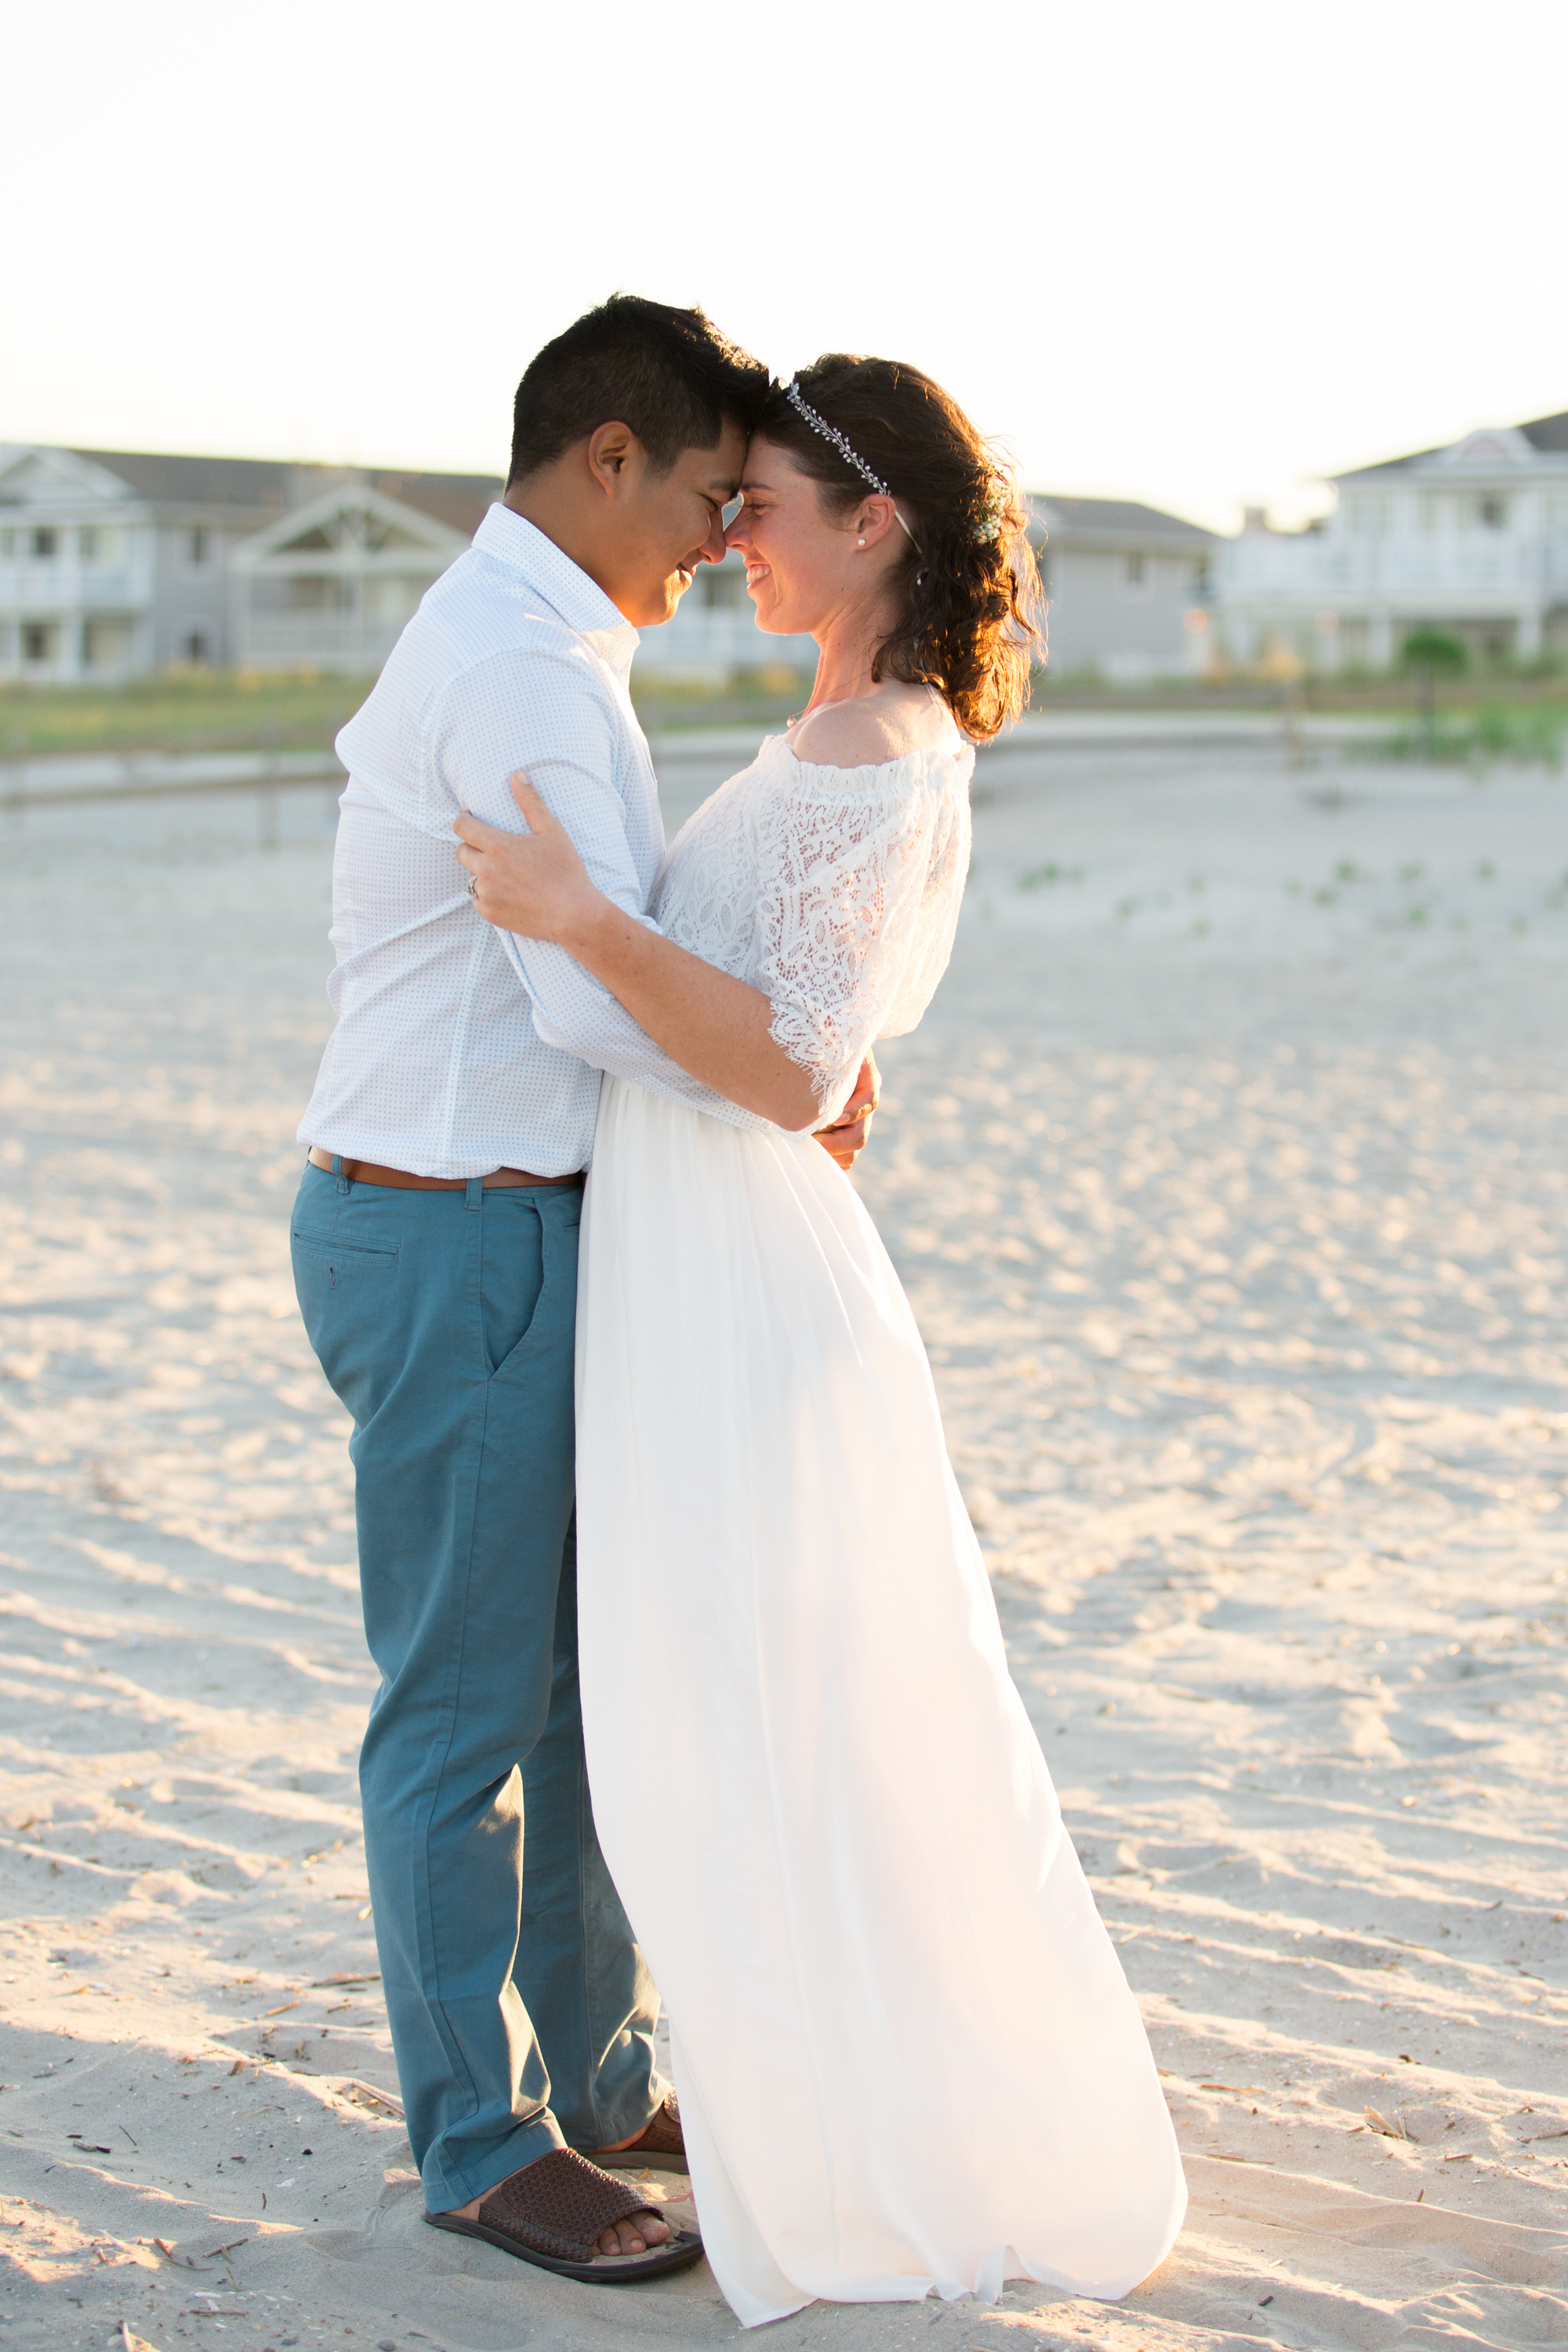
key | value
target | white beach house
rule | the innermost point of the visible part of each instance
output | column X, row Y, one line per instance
column 1471, row 539
column 115, row 564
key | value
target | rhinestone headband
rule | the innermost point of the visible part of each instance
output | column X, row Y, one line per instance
column 819, row 424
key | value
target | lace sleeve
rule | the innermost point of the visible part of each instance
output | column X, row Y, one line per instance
column 859, row 878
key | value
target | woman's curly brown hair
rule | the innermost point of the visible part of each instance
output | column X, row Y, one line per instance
column 972, row 610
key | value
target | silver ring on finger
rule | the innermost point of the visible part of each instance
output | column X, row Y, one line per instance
column 473, row 886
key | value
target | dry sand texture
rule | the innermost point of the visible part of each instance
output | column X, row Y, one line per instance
column 1229, row 1177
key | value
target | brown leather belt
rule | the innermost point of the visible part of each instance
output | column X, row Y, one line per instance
column 367, row 1171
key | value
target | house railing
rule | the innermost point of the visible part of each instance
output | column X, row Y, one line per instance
column 46, row 589
column 313, row 640
column 1323, row 570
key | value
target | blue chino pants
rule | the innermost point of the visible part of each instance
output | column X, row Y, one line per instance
column 521, row 2015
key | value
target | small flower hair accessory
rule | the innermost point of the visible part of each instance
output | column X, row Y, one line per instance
column 819, row 424
column 989, row 526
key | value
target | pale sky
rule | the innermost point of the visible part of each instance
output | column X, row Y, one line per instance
column 1200, row 256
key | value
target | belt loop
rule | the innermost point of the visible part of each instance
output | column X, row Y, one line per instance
column 337, row 1171
column 474, row 1198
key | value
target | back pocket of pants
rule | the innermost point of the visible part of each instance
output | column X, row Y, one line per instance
column 334, row 1262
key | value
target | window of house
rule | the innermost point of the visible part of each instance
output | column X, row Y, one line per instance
column 1369, row 517
column 196, row 647
column 39, row 639
column 87, row 545
column 198, row 544
column 1133, row 568
column 7, row 546
column 1492, row 513
column 1432, row 513
column 45, row 541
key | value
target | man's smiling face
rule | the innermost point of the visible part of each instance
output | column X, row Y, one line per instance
column 669, row 523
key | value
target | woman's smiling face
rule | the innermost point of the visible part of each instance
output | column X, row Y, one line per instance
column 800, row 561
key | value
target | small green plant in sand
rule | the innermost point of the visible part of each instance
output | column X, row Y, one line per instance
column 1428, row 655
column 1526, row 733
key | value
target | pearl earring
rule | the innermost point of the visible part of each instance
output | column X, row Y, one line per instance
column 859, row 543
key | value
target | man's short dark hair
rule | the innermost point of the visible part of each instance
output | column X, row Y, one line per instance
column 668, row 375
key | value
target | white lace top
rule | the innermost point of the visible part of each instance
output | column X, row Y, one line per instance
column 834, row 890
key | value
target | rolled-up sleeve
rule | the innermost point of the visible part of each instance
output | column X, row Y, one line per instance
column 546, row 709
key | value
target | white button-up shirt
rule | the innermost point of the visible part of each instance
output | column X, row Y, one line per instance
column 460, row 1047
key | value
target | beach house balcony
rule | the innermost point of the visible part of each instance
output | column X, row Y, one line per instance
column 1472, row 539
column 331, row 585
column 75, row 596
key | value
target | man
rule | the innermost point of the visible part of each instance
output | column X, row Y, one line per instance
column 435, row 1252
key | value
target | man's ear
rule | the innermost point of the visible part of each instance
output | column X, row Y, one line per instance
column 615, row 459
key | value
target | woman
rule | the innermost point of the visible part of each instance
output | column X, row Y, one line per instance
column 906, row 2054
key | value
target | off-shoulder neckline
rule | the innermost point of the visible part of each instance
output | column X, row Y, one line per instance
column 954, row 750
column 857, row 767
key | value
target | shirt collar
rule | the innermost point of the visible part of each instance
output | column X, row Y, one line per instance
column 512, row 540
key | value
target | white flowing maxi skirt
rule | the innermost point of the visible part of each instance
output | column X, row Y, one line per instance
column 906, row 2054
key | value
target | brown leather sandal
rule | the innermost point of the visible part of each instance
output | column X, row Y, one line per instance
column 552, row 2214
column 658, row 2147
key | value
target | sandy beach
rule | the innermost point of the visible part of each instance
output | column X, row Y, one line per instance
column 1229, row 1177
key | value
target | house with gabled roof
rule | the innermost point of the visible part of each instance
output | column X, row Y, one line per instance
column 114, row 563
column 332, row 584
column 1127, row 586
column 1470, row 538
